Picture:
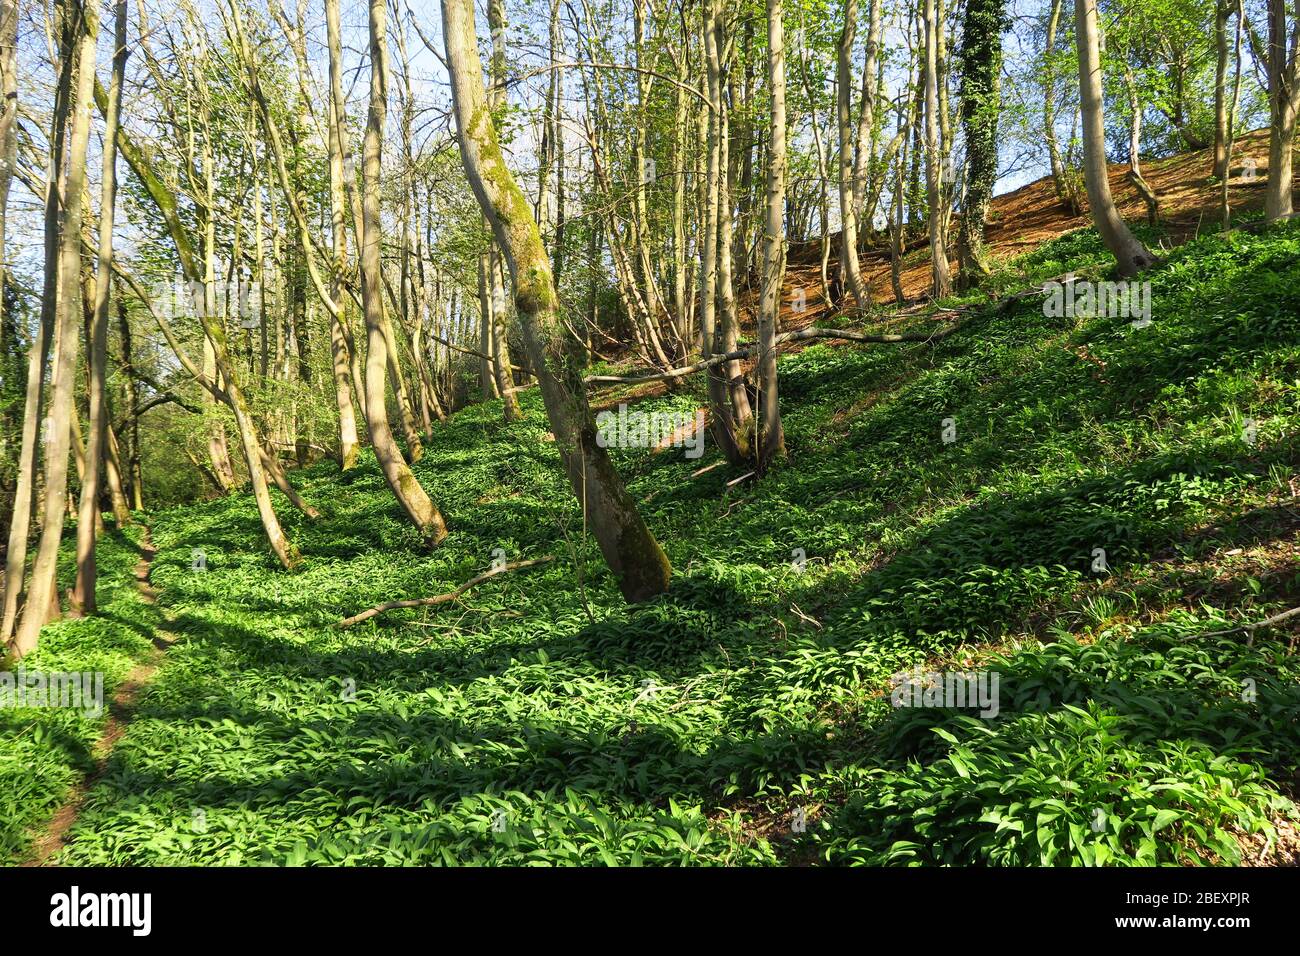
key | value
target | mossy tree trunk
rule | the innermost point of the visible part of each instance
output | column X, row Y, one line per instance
column 981, row 103
column 629, row 548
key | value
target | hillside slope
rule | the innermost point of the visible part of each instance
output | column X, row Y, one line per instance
column 1023, row 219
column 746, row 717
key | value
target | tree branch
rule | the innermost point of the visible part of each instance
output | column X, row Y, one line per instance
column 443, row 598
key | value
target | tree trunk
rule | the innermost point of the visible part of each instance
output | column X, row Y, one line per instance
column 1130, row 255
column 1222, row 11
column 349, row 443
column 771, row 438
column 940, row 281
column 849, row 266
column 84, row 590
column 82, row 22
column 405, row 487
column 1283, row 96
column 1055, row 162
column 39, row 351
column 629, row 548
column 981, row 103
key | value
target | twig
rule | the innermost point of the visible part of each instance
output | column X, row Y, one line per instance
column 443, row 598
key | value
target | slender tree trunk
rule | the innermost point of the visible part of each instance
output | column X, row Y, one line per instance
column 1225, row 209
column 340, row 334
column 771, row 438
column 742, row 415
column 1222, row 11
column 8, row 135
column 1130, row 255
column 724, row 429
column 864, row 146
column 849, row 265
column 1134, row 121
column 131, row 471
column 39, row 352
column 83, row 20
column 629, row 548
column 940, row 281
column 84, row 590
column 405, row 487
column 502, row 370
column 1055, row 162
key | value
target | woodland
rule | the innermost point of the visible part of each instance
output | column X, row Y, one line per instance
column 649, row 432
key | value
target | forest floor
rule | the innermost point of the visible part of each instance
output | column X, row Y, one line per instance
column 746, row 716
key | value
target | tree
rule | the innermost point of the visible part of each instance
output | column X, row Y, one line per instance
column 1282, row 66
column 849, row 266
column 629, row 548
column 936, row 159
column 405, row 486
column 96, row 442
column 1130, row 255
column 981, row 102
column 82, row 29
column 771, row 437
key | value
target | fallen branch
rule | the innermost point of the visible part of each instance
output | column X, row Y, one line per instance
column 848, row 335
column 1267, row 622
column 749, row 350
column 443, row 598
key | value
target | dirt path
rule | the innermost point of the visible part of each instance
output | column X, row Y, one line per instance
column 47, row 846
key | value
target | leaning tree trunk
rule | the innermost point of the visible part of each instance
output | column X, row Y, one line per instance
column 405, row 486
column 1130, row 255
column 84, row 590
column 83, row 23
column 630, row 549
column 771, row 438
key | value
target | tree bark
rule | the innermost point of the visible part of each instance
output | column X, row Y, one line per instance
column 629, row 548
column 1283, row 100
column 84, row 590
column 405, row 487
column 940, row 280
column 849, row 266
column 82, row 21
column 1130, row 255
column 771, row 437
column 39, row 351
column 981, row 103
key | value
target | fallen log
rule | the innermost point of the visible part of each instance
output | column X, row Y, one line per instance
column 442, row 598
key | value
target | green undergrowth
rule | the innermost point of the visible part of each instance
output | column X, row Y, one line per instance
column 745, row 717
column 43, row 750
